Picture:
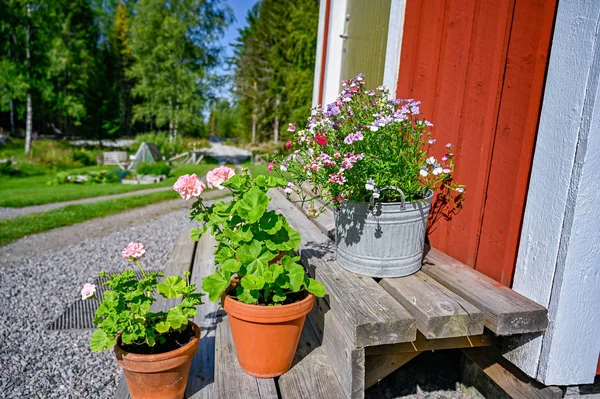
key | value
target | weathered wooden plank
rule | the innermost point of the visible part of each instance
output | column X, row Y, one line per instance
column 439, row 312
column 202, row 371
column 422, row 344
column 230, row 380
column 378, row 367
column 512, row 380
column 505, row 311
column 367, row 312
column 311, row 376
column 179, row 262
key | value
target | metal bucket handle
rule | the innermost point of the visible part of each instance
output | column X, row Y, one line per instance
column 402, row 201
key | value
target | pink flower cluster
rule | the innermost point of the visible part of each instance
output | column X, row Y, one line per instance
column 88, row 291
column 189, row 186
column 216, row 177
column 133, row 251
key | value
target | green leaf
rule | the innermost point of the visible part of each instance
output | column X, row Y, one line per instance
column 270, row 222
column 314, row 287
column 271, row 272
column 176, row 318
column 246, row 253
column 171, row 287
column 231, row 266
column 279, row 296
column 215, row 285
column 252, row 205
column 253, row 282
column 247, row 296
column 197, row 233
column 100, row 341
column 236, row 182
column 162, row 327
column 223, row 254
column 296, row 276
column 239, row 235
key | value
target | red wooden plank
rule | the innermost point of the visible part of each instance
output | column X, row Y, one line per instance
column 324, row 50
column 514, row 140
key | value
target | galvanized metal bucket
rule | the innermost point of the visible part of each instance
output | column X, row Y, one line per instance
column 382, row 239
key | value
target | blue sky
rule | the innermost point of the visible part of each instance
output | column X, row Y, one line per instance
column 240, row 9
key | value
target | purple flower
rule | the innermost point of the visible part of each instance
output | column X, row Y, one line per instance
column 424, row 171
column 370, row 185
column 291, row 127
column 449, row 145
column 376, row 193
column 431, row 141
column 431, row 160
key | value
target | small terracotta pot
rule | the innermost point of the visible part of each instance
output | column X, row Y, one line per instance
column 266, row 337
column 160, row 376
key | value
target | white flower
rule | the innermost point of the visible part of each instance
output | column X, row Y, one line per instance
column 437, row 170
column 374, row 128
column 424, row 172
column 370, row 185
column 431, row 161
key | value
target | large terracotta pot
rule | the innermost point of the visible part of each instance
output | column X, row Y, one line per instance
column 266, row 337
column 160, row 376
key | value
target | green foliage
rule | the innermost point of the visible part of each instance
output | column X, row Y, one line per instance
column 255, row 247
column 274, row 66
column 84, row 157
column 7, row 169
column 92, row 177
column 126, row 308
column 158, row 168
column 175, row 48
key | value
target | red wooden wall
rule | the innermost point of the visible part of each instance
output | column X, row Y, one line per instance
column 479, row 66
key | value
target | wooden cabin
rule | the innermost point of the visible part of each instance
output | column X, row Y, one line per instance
column 515, row 86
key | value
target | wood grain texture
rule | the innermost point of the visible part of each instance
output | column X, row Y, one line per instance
column 439, row 312
column 179, row 262
column 230, row 380
column 311, row 375
column 422, row 344
column 513, row 381
column 505, row 311
column 367, row 312
column 377, row 367
column 202, row 371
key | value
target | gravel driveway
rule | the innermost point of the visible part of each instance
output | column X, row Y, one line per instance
column 36, row 363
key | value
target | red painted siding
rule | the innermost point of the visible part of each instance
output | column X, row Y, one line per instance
column 478, row 66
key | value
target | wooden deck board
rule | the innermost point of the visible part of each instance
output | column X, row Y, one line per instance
column 505, row 311
column 230, row 380
column 311, row 375
column 200, row 380
column 439, row 312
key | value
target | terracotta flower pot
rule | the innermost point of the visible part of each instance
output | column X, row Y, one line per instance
column 266, row 337
column 159, row 376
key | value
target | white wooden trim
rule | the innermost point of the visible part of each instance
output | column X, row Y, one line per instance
column 558, row 263
column 320, row 53
column 335, row 45
column 394, row 45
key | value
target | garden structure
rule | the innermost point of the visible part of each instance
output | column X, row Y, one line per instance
column 363, row 329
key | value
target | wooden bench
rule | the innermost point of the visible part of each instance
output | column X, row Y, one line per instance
column 445, row 305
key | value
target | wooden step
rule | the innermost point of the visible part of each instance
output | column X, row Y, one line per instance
column 505, row 311
column 439, row 312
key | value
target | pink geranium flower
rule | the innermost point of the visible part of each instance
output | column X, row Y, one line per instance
column 216, row 177
column 87, row 291
column 135, row 250
column 189, row 186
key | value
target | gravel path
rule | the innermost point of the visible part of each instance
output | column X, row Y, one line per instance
column 36, row 363
column 7, row 213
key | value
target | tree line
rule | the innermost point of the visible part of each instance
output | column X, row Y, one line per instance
column 100, row 68
column 273, row 72
column 106, row 68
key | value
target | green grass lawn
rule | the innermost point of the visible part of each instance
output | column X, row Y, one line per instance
column 27, row 191
column 15, row 228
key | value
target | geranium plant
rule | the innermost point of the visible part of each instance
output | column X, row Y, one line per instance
column 256, row 248
column 125, row 308
column 362, row 144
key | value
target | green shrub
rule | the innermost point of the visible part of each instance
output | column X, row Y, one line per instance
column 159, row 168
column 163, row 141
column 93, row 177
column 84, row 157
column 7, row 169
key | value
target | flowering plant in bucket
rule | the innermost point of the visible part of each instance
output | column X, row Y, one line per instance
column 258, row 278
column 361, row 144
column 154, row 348
column 256, row 248
column 125, row 308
